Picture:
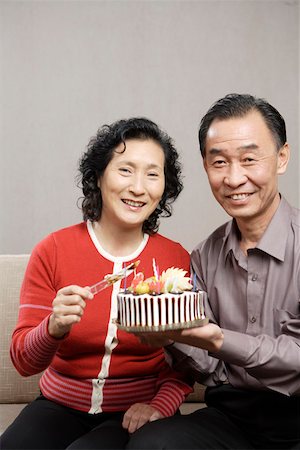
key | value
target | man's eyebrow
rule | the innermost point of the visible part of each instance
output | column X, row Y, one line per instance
column 248, row 147
column 216, row 151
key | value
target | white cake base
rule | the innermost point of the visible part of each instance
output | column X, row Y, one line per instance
column 151, row 329
column 142, row 313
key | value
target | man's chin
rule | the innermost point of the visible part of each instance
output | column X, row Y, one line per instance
column 238, row 212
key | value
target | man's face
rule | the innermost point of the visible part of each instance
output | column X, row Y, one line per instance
column 242, row 164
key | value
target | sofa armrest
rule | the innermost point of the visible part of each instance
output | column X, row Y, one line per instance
column 13, row 387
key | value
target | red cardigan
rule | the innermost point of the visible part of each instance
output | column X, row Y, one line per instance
column 96, row 367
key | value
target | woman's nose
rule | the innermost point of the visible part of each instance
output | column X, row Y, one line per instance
column 137, row 185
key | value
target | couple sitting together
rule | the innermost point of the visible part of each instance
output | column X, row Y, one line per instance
column 104, row 388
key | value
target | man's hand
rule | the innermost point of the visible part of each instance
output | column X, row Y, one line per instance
column 139, row 414
column 68, row 307
column 209, row 337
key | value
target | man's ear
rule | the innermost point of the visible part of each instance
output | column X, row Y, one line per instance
column 283, row 158
column 204, row 162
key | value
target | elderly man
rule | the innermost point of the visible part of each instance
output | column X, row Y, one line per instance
column 249, row 353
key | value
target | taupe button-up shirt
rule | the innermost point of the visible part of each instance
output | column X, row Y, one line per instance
column 255, row 299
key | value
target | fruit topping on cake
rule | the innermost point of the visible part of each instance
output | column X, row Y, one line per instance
column 172, row 280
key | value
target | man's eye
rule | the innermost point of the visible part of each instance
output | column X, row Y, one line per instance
column 152, row 174
column 219, row 163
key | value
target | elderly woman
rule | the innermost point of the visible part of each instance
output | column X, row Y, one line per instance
column 99, row 383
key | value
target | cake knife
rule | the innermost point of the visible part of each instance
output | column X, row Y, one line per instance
column 108, row 280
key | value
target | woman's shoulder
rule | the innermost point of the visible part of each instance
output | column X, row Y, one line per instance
column 166, row 243
column 71, row 230
column 62, row 236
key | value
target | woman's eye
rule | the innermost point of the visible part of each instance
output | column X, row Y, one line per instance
column 125, row 171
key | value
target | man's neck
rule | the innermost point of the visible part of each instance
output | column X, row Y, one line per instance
column 252, row 230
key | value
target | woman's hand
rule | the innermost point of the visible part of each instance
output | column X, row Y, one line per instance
column 139, row 414
column 68, row 307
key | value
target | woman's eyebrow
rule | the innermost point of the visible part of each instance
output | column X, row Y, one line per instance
column 133, row 164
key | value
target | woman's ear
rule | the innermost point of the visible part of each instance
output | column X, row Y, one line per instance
column 283, row 158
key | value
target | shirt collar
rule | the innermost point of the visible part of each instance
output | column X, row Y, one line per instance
column 275, row 237
column 273, row 240
column 233, row 238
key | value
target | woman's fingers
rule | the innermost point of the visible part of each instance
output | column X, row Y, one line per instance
column 68, row 308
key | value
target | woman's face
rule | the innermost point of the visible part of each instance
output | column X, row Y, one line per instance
column 132, row 183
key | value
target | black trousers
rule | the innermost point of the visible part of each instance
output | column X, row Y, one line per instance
column 234, row 419
column 44, row 424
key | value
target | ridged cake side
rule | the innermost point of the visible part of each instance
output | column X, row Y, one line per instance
column 160, row 310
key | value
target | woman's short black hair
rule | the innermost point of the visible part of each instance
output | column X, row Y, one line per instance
column 238, row 105
column 100, row 152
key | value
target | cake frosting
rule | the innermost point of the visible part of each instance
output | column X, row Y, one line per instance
column 161, row 302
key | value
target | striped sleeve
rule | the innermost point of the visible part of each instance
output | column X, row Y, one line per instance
column 33, row 351
column 169, row 397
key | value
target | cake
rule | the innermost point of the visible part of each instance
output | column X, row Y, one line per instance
column 161, row 303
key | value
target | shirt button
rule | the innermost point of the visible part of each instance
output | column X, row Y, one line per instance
column 254, row 277
column 253, row 319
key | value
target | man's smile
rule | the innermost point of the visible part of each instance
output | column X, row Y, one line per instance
column 238, row 196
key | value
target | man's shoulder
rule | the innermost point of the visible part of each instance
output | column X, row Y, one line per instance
column 289, row 217
column 216, row 238
column 296, row 217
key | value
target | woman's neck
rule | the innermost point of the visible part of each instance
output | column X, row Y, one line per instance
column 118, row 242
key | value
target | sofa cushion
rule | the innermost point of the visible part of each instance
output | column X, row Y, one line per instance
column 197, row 395
column 13, row 387
column 8, row 413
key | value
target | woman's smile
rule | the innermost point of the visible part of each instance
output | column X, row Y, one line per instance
column 133, row 204
column 136, row 177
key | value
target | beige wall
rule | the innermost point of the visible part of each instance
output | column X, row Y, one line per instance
column 67, row 67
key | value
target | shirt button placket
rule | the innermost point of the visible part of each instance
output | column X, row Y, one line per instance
column 252, row 318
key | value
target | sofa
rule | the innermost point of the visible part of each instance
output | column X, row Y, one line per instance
column 17, row 391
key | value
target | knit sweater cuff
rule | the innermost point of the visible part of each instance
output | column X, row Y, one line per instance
column 168, row 399
column 40, row 347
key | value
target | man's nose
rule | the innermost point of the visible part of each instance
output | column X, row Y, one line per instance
column 235, row 176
